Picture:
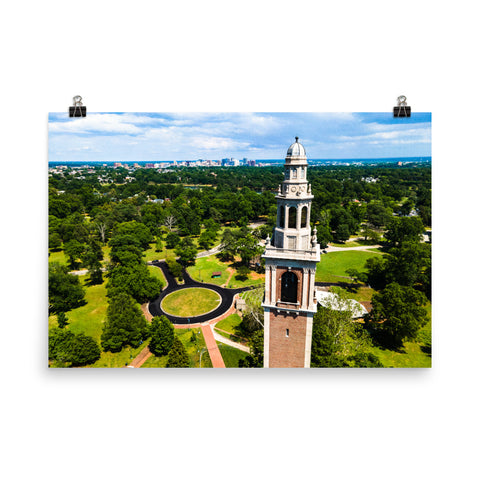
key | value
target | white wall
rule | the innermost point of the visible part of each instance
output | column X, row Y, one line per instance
column 231, row 56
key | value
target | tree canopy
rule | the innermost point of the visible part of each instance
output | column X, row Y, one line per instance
column 162, row 333
column 64, row 290
column 125, row 324
column 398, row 312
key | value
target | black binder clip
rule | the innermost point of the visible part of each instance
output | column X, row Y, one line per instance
column 402, row 110
column 78, row 110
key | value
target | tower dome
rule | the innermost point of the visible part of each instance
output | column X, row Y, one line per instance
column 296, row 150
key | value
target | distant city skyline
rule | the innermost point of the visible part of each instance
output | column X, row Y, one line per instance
column 157, row 137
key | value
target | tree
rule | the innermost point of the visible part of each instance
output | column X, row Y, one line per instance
column 135, row 280
column 377, row 214
column 335, row 337
column 324, row 236
column 91, row 259
column 54, row 241
column 125, row 324
column 398, row 313
column 175, row 268
column 64, row 290
column 187, row 252
column 136, row 229
column 172, row 240
column 228, row 245
column 170, row 222
column 207, row 239
column 252, row 319
column 102, row 230
column 74, row 250
column 159, row 244
column 73, row 349
column 242, row 272
column 404, row 229
column 370, row 234
column 409, row 264
column 255, row 359
column 342, row 233
column 364, row 360
column 162, row 333
column 178, row 358
column 62, row 320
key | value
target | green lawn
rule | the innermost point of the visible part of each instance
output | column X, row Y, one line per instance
column 205, row 266
column 61, row 258
column 231, row 355
column 194, row 349
column 191, row 302
column 334, row 265
column 58, row 257
column 228, row 324
column 360, row 294
column 89, row 318
column 151, row 254
column 119, row 359
column 411, row 357
column 253, row 279
column 158, row 273
column 347, row 244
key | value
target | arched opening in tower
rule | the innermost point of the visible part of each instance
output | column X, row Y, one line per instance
column 304, row 217
column 292, row 217
column 289, row 288
column 281, row 222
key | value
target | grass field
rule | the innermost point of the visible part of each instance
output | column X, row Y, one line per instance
column 194, row 349
column 61, row 258
column 228, row 324
column 158, row 273
column 191, row 302
column 151, row 254
column 89, row 318
column 205, row 266
column 334, row 265
column 231, row 355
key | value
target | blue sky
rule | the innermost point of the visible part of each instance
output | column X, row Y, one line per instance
column 189, row 136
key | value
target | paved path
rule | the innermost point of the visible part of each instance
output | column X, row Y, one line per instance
column 226, row 341
column 213, row 351
column 207, row 253
column 141, row 358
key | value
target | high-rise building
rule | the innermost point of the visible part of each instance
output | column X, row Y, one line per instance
column 291, row 258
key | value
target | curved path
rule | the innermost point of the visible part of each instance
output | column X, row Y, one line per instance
column 226, row 295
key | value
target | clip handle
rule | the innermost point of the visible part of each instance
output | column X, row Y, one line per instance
column 402, row 110
column 78, row 109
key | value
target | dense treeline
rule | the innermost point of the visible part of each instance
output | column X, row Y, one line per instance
column 345, row 197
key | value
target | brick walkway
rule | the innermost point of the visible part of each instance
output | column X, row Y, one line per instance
column 141, row 358
column 213, row 351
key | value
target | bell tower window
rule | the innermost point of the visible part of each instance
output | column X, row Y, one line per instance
column 304, row 217
column 292, row 217
column 289, row 288
column 281, row 222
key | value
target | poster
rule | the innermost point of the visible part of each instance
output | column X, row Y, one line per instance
column 240, row 240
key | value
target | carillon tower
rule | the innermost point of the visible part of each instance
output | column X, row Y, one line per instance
column 291, row 257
